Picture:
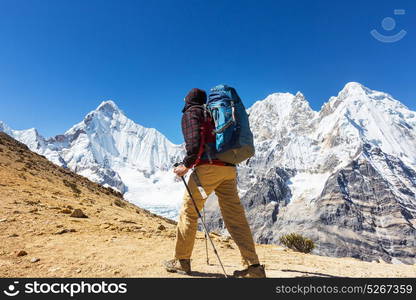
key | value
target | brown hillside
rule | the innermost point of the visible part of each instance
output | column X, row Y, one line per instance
column 40, row 237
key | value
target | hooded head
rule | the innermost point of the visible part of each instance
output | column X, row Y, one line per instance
column 195, row 97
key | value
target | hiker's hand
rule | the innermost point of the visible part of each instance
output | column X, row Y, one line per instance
column 181, row 170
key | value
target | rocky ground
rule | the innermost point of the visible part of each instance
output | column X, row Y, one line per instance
column 54, row 223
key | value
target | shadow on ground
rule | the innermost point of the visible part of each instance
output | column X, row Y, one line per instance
column 308, row 273
column 206, row 275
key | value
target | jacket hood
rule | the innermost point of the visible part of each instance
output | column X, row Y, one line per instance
column 195, row 97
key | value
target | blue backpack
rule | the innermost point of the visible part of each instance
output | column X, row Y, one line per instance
column 234, row 139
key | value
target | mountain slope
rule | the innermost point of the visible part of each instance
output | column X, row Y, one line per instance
column 117, row 239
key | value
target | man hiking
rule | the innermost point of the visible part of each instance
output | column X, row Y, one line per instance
column 212, row 175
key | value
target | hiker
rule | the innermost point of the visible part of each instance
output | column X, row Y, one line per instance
column 212, row 175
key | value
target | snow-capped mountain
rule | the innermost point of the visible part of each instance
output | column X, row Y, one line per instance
column 344, row 176
column 30, row 137
column 112, row 150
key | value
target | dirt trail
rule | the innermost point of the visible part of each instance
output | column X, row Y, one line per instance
column 117, row 239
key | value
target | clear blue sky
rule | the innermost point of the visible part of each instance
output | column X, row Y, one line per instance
column 60, row 59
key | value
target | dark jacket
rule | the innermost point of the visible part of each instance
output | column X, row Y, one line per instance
column 193, row 116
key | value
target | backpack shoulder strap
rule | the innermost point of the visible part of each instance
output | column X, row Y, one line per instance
column 205, row 110
column 203, row 146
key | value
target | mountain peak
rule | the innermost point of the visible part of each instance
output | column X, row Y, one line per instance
column 108, row 105
column 356, row 91
column 299, row 95
column 353, row 84
column 355, row 88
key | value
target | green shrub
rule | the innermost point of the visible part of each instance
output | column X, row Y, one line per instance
column 297, row 242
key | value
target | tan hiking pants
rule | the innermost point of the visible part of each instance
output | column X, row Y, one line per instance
column 222, row 180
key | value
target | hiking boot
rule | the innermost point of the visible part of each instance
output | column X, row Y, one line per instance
column 253, row 271
column 181, row 266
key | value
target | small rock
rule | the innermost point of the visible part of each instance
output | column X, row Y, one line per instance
column 214, row 235
column 66, row 211
column 14, row 235
column 136, row 228
column 226, row 239
column 119, row 203
column 29, row 202
column 34, row 260
column 65, row 231
column 54, row 269
column 3, row 220
column 77, row 213
column 161, row 227
column 33, row 210
column 78, row 271
column 21, row 253
column 127, row 221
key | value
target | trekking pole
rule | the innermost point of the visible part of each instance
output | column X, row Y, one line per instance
column 203, row 223
column 206, row 242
